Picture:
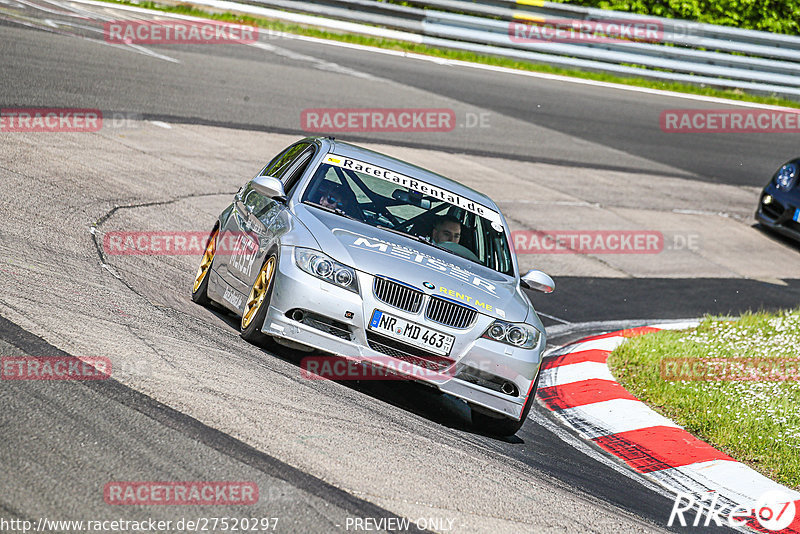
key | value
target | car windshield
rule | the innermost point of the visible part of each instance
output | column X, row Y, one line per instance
column 440, row 218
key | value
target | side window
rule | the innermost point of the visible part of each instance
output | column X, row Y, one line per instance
column 280, row 164
column 500, row 252
column 300, row 166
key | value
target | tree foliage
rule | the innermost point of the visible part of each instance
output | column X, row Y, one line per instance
column 778, row 16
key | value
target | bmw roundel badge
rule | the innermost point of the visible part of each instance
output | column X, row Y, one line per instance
column 428, row 285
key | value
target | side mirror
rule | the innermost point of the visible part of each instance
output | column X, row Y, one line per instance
column 538, row 281
column 269, row 187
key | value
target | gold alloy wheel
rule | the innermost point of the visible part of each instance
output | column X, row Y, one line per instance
column 205, row 263
column 259, row 292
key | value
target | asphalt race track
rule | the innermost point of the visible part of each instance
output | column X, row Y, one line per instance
column 189, row 400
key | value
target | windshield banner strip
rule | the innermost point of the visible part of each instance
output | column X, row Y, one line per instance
column 416, row 185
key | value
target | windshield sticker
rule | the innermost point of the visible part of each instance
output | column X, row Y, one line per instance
column 400, row 252
column 418, row 186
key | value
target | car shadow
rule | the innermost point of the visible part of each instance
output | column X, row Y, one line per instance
column 777, row 237
column 400, row 392
column 406, row 394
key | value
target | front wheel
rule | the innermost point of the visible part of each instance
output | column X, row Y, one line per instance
column 200, row 287
column 255, row 309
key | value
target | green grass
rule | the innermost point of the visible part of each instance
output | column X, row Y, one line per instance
column 756, row 422
column 278, row 26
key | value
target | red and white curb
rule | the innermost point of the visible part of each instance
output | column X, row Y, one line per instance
column 577, row 386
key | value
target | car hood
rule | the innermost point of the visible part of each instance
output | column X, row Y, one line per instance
column 431, row 270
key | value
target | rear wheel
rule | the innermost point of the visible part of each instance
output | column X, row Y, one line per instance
column 255, row 309
column 497, row 425
column 200, row 286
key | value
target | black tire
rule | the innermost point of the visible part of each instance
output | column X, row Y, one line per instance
column 504, row 426
column 200, row 286
column 257, row 303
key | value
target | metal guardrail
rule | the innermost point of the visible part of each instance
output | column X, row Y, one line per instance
column 677, row 31
column 689, row 52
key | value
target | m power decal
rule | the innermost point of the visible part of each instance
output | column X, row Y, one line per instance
column 414, row 256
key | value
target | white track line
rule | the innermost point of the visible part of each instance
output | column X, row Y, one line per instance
column 614, row 416
column 576, row 372
column 606, row 343
column 736, row 481
column 731, row 483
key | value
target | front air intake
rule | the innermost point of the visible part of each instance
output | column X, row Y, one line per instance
column 397, row 295
column 449, row 313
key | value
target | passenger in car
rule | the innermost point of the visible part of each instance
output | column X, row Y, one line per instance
column 329, row 197
column 447, row 234
column 446, row 229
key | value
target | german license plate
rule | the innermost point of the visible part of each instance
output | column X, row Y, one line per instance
column 796, row 217
column 411, row 333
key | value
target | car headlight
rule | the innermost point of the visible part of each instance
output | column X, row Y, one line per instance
column 786, row 177
column 517, row 335
column 318, row 264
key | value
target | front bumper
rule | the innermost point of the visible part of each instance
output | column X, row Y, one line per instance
column 778, row 215
column 295, row 289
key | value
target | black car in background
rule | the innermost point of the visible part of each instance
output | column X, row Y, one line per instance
column 779, row 205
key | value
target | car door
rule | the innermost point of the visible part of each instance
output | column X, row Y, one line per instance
column 249, row 228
